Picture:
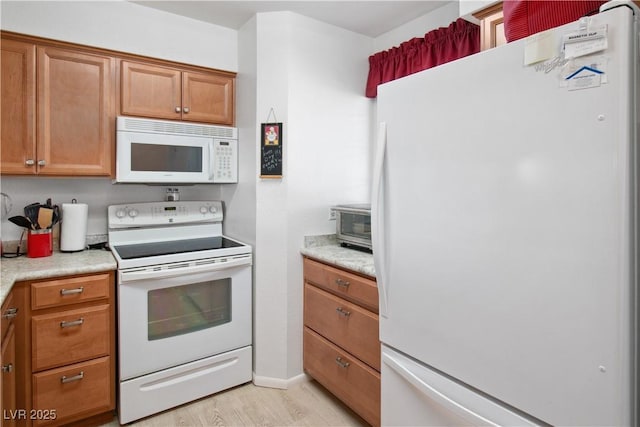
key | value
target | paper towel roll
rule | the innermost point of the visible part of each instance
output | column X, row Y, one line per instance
column 73, row 235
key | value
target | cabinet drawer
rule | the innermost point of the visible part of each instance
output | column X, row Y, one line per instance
column 60, row 292
column 73, row 392
column 69, row 336
column 353, row 382
column 345, row 324
column 350, row 286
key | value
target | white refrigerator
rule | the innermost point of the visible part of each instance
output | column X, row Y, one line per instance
column 505, row 233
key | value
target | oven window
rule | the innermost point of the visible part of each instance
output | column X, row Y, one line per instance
column 188, row 308
column 165, row 158
column 355, row 225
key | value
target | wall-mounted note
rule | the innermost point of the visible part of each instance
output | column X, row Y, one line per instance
column 271, row 151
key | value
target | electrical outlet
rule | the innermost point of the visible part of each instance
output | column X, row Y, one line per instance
column 332, row 215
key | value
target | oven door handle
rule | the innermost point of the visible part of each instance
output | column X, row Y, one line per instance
column 182, row 268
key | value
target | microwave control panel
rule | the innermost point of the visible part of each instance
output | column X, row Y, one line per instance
column 225, row 161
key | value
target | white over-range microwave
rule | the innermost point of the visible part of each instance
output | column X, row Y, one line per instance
column 165, row 152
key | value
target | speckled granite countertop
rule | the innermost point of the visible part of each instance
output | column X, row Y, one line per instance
column 327, row 249
column 58, row 264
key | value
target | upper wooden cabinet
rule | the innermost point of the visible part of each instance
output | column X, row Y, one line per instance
column 150, row 90
column 75, row 112
column 60, row 100
column 18, row 126
column 491, row 27
column 58, row 112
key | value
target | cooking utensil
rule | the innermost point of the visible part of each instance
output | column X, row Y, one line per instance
column 56, row 215
column 45, row 217
column 22, row 221
column 31, row 212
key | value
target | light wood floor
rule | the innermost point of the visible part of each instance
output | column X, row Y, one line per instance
column 305, row 404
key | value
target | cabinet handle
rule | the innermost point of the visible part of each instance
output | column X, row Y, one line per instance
column 30, row 162
column 342, row 283
column 342, row 363
column 10, row 313
column 341, row 311
column 72, row 291
column 7, row 368
column 78, row 322
column 178, row 109
column 186, row 110
column 66, row 379
column 42, row 163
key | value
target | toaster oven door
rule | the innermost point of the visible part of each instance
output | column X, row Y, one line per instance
column 354, row 228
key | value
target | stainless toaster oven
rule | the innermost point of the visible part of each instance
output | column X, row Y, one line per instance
column 353, row 225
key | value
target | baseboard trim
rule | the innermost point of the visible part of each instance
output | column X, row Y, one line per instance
column 271, row 382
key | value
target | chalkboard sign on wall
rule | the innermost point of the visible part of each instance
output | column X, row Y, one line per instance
column 271, row 151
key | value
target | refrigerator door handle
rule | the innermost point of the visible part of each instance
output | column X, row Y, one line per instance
column 434, row 394
column 377, row 218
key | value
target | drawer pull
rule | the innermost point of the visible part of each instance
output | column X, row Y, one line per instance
column 342, row 283
column 342, row 363
column 341, row 311
column 65, row 379
column 7, row 368
column 10, row 313
column 78, row 322
column 72, row 291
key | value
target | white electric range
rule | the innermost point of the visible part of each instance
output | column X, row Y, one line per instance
column 184, row 304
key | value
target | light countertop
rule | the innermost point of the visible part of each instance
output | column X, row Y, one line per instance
column 58, row 264
column 328, row 250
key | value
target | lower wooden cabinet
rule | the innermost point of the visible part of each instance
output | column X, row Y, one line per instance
column 67, row 351
column 341, row 341
column 8, row 361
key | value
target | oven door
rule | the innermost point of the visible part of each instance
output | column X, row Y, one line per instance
column 182, row 312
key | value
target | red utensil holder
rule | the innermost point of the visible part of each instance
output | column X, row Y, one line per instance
column 39, row 243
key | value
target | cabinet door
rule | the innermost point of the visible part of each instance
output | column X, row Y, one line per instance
column 9, row 378
column 76, row 117
column 18, row 83
column 150, row 91
column 208, row 98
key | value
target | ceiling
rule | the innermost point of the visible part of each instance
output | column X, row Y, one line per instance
column 371, row 18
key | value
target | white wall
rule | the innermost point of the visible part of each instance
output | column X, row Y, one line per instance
column 122, row 26
column 240, row 220
column 127, row 27
column 313, row 75
column 331, row 144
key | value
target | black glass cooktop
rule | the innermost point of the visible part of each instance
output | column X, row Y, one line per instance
column 143, row 250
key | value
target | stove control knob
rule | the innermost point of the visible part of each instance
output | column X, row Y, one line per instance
column 203, row 210
column 133, row 213
column 213, row 209
column 121, row 213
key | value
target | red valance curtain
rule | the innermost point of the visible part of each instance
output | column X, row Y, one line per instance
column 459, row 39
